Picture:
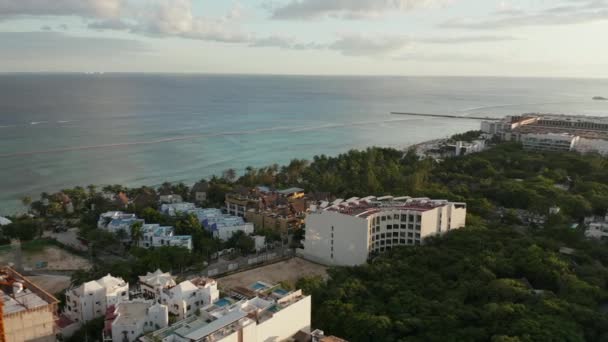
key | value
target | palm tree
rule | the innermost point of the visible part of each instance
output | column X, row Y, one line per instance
column 137, row 232
column 230, row 175
column 26, row 201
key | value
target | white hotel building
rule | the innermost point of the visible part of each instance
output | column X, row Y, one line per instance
column 345, row 233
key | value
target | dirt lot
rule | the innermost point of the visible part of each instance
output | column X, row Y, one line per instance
column 57, row 259
column 51, row 283
column 289, row 271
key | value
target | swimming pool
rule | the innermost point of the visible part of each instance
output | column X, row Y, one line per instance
column 258, row 286
column 280, row 292
column 223, row 302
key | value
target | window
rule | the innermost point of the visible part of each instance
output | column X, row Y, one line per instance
column 410, row 241
column 383, row 218
column 332, row 235
column 382, row 236
column 403, row 226
column 418, row 235
column 403, row 218
column 410, row 234
column 332, row 255
column 381, row 242
column 395, row 241
column 402, row 241
column 396, row 216
column 332, row 228
column 410, row 218
column 395, row 234
column 389, row 226
column 402, row 234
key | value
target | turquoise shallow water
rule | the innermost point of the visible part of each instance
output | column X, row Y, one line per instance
column 64, row 130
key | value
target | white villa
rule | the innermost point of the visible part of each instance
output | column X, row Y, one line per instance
column 187, row 297
column 128, row 321
column 91, row 299
column 153, row 283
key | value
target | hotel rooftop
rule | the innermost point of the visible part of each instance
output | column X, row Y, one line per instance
column 364, row 207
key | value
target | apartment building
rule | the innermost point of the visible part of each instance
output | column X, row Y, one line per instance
column 127, row 321
column 91, row 299
column 272, row 315
column 187, row 297
column 28, row 312
column 347, row 232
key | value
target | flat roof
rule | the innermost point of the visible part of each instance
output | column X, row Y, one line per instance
column 364, row 208
column 208, row 329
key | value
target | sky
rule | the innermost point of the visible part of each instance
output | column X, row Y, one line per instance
column 516, row 38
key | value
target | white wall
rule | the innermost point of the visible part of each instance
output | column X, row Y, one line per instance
column 350, row 239
column 286, row 322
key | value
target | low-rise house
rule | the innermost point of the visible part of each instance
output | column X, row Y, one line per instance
column 91, row 299
column 220, row 225
column 199, row 191
column 176, row 209
column 597, row 228
column 271, row 315
column 113, row 221
column 154, row 235
column 189, row 296
column 170, row 199
column 154, row 283
column 127, row 321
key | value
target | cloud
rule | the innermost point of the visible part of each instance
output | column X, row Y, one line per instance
column 369, row 44
column 175, row 18
column 564, row 13
column 288, row 43
column 441, row 58
column 466, row 39
column 350, row 9
column 84, row 8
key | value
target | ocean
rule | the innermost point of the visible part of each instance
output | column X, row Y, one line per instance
column 63, row 130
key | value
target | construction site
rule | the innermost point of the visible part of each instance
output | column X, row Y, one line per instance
column 28, row 312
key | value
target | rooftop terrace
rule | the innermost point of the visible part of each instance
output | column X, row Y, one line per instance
column 364, row 207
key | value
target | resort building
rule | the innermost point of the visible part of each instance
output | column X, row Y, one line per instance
column 176, row 209
column 91, row 299
column 347, row 232
column 28, row 312
column 272, row 315
column 127, row 321
column 555, row 142
column 154, row 235
column 153, row 283
column 187, row 297
column 115, row 221
column 549, row 132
